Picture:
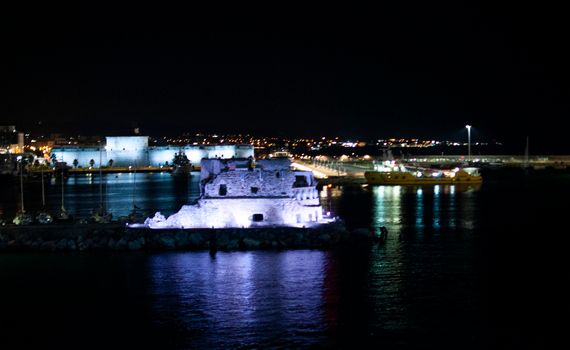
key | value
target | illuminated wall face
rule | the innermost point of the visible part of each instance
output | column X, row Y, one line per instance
column 126, row 143
column 160, row 155
column 134, row 150
column 243, row 212
column 227, row 151
column 83, row 155
column 244, row 151
column 256, row 183
column 128, row 150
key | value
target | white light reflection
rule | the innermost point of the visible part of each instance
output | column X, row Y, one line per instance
column 419, row 210
column 452, row 208
column 387, row 209
column 436, row 208
column 242, row 292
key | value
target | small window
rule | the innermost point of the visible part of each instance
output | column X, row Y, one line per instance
column 254, row 190
column 300, row 181
column 257, row 217
column 223, row 190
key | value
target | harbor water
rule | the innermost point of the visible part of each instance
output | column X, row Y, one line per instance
column 463, row 267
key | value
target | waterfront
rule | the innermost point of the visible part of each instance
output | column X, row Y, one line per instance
column 463, row 267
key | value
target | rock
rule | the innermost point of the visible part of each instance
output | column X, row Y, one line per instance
column 222, row 241
column 196, row 240
column 121, row 244
column 233, row 244
column 71, row 245
column 136, row 244
column 362, row 232
column 82, row 246
column 182, row 239
column 48, row 246
column 167, row 242
column 61, row 244
column 251, row 243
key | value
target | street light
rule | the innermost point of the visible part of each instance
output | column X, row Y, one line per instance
column 468, row 142
column 21, row 160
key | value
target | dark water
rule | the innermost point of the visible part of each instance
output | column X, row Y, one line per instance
column 84, row 193
column 463, row 267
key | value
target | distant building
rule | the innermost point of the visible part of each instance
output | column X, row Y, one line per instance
column 11, row 141
column 135, row 151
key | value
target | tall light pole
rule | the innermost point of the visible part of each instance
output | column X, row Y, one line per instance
column 22, row 184
column 468, row 142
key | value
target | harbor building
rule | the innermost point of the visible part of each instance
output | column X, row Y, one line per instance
column 135, row 151
column 242, row 193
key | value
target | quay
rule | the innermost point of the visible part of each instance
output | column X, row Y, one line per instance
column 109, row 170
column 539, row 161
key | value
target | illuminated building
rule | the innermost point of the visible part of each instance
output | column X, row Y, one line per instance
column 243, row 193
column 11, row 141
column 135, row 151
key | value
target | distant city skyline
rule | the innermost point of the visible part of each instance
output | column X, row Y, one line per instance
column 422, row 70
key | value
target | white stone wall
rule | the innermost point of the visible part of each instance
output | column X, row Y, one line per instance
column 239, row 212
column 128, row 150
column 131, row 150
column 161, row 154
column 270, row 183
column 82, row 154
column 278, row 197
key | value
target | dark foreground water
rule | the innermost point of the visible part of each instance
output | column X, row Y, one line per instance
column 463, row 267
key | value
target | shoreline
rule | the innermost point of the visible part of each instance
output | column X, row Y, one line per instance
column 118, row 237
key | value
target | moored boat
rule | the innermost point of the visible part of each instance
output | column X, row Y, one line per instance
column 390, row 173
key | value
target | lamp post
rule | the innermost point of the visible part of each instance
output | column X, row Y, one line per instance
column 22, row 184
column 468, row 142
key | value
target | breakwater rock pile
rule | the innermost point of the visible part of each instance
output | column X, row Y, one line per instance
column 114, row 236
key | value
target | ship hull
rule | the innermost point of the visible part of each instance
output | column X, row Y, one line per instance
column 402, row 178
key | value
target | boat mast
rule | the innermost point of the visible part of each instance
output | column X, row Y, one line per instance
column 22, row 184
column 62, row 190
column 62, row 168
column 134, row 184
column 43, row 189
column 100, row 179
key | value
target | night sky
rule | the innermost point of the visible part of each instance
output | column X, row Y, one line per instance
column 412, row 70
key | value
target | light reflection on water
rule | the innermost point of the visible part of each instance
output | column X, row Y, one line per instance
column 454, row 270
column 240, row 293
column 427, row 207
column 150, row 192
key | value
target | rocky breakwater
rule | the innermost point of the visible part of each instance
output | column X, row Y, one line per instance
column 115, row 236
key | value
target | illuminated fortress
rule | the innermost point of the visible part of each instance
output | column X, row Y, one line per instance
column 244, row 193
column 135, row 151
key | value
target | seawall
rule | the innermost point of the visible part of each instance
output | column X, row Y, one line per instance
column 117, row 237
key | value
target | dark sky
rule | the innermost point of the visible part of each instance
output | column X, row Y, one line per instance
column 414, row 69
